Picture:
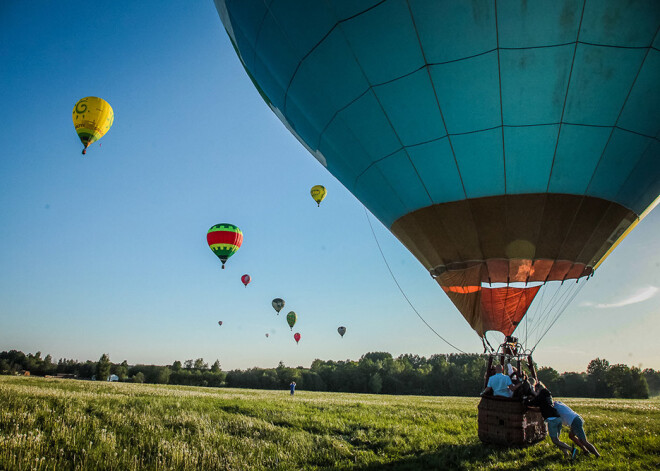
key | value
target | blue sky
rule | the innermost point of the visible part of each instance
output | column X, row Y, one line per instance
column 108, row 253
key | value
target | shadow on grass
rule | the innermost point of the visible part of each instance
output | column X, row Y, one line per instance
column 460, row 457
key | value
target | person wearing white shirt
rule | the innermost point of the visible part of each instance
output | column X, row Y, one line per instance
column 576, row 424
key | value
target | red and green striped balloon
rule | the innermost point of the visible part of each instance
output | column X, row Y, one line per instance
column 224, row 239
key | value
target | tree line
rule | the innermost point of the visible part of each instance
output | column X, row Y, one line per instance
column 374, row 372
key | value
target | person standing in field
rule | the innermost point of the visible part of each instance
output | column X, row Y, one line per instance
column 542, row 398
column 576, row 424
column 292, row 387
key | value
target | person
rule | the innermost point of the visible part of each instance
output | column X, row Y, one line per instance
column 292, row 386
column 499, row 384
column 576, row 424
column 542, row 398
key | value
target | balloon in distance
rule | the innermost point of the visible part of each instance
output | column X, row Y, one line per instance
column 224, row 240
column 92, row 119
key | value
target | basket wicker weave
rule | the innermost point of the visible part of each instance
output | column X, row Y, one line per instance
column 504, row 421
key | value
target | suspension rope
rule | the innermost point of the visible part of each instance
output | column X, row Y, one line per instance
column 561, row 311
column 399, row 286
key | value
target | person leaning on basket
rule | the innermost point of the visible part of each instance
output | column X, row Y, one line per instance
column 576, row 424
column 500, row 384
column 542, row 398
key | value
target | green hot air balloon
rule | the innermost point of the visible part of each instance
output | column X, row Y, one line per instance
column 291, row 319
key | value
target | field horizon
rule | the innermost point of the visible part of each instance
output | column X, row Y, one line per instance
column 68, row 424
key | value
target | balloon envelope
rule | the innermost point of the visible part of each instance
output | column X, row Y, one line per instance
column 224, row 240
column 267, row 335
column 504, row 149
column 278, row 304
column 296, row 336
column 341, row 330
column 246, row 279
column 219, row 322
column 318, row 193
column 291, row 319
column 92, row 118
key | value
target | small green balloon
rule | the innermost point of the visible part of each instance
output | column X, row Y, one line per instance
column 291, row 319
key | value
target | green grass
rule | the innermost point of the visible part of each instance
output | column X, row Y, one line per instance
column 67, row 424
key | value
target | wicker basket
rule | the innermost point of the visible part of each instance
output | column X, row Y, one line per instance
column 504, row 421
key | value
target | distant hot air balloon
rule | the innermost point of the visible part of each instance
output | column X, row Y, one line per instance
column 341, row 330
column 267, row 335
column 224, row 240
column 278, row 304
column 318, row 193
column 296, row 336
column 219, row 322
column 246, row 279
column 92, row 118
column 291, row 319
column 505, row 162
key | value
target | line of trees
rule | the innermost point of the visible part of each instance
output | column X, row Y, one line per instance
column 375, row 372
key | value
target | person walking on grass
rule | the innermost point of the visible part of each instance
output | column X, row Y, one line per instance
column 576, row 424
column 292, row 387
column 542, row 398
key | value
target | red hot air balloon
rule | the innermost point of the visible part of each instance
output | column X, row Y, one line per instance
column 296, row 336
column 246, row 279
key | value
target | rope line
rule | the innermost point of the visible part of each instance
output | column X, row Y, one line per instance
column 401, row 289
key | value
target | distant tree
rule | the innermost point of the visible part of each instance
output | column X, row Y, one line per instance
column 597, row 373
column 375, row 383
column 215, row 368
column 551, row 378
column 619, row 380
column 139, row 377
column 163, row 375
column 176, row 366
column 103, row 367
column 638, row 384
column 188, row 364
column 200, row 365
column 122, row 371
column 653, row 381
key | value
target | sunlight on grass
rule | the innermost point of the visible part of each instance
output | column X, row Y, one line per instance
column 66, row 424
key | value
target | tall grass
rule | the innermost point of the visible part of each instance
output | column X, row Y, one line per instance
column 49, row 424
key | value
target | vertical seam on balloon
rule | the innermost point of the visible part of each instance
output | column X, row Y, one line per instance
column 261, row 24
column 449, row 141
column 616, row 122
column 499, row 79
column 623, row 184
column 568, row 86
column 554, row 156
column 437, row 100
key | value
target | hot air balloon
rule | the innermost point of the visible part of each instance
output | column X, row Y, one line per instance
column 296, row 337
column 291, row 319
column 506, row 150
column 318, row 193
column 509, row 150
column 341, row 330
column 246, row 279
column 224, row 240
column 278, row 304
column 92, row 118
column 267, row 335
column 219, row 322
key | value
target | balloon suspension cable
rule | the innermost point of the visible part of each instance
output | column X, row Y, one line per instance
column 399, row 286
column 566, row 302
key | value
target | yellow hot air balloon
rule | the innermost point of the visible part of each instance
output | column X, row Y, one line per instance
column 318, row 193
column 92, row 118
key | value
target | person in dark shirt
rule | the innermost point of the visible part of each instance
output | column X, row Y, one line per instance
column 542, row 398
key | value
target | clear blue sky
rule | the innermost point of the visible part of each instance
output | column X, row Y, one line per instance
column 108, row 253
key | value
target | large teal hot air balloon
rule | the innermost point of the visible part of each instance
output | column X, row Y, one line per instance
column 505, row 144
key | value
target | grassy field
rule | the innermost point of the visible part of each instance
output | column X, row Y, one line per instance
column 67, row 424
